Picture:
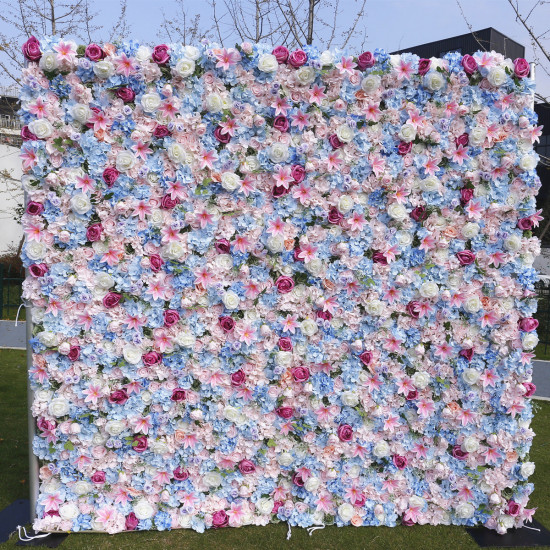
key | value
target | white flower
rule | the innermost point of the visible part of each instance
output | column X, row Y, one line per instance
column 48, row 338
column 309, row 327
column 315, row 266
column 160, row 447
column 132, row 354
column 416, row 502
column 35, row 250
column 349, row 398
column 268, row 63
column 150, row 102
column 470, row 444
column 374, row 307
column 407, row 132
column 214, row 102
column 471, row 376
column 143, row 509
column 58, row 407
column 312, row 484
column 191, row 52
column 104, row 69
column 81, row 112
column 527, row 162
column 278, row 152
column 529, row 340
column 276, row 243
column 420, row 379
column 185, row 339
column 497, row 76
column 472, row 304
column 397, row 211
column 370, row 83
column 346, row 511
column 251, row 163
column 283, row 358
column 285, row 459
column 434, row 81
column 104, row 280
column 185, row 67
column 68, row 511
column 345, row 133
column 81, row 487
column 478, row 135
column 465, row 510
column 513, row 243
column 381, row 449
column 265, row 506
column 345, row 204
column 231, row 413
column 404, row 238
column 305, row 75
column 230, row 181
column 454, row 281
column 125, row 161
column 224, row 262
column 470, row 230
column 115, row 427
column 41, row 128
column 527, row 469
column 174, row 250
column 326, row 58
column 429, row 290
column 48, row 62
column 212, row 479
column 143, row 54
column 430, row 184
column 231, row 300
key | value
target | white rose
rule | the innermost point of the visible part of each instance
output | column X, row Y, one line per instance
column 35, row 250
column 143, row 54
column 191, row 52
column 478, row 135
column 41, row 128
column 454, row 281
column 496, row 76
column 513, row 243
column 276, row 243
column 370, row 83
column 471, row 376
column 349, row 398
column 472, row 304
column 381, row 449
column 231, row 300
column 80, row 203
column 43, row 395
column 345, row 133
column 58, row 407
column 345, row 204
column 104, row 280
column 530, row 341
column 434, row 81
column 81, row 112
column 251, row 163
column 224, row 261
column 132, row 354
column 326, row 58
column 174, row 250
column 268, row 63
column 176, row 153
column 465, row 510
column 48, row 338
column 48, row 62
column 285, row 459
column 212, row 479
column 470, row 230
column 104, row 69
column 470, row 444
column 278, row 152
column 374, row 307
column 125, row 161
column 143, row 509
column 68, row 511
column 185, row 339
column 309, row 327
column 214, row 102
column 527, row 469
column 404, row 238
column 150, row 102
column 379, row 513
column 527, row 162
column 265, row 506
column 416, row 502
column 81, row 487
column 429, row 290
column 397, row 211
column 312, row 484
column 430, row 184
column 230, row 181
column 283, row 358
column 420, row 379
column 185, row 67
column 305, row 75
column 346, row 511
column 407, row 132
column 159, row 447
column 231, row 413
column 315, row 267
column 115, row 427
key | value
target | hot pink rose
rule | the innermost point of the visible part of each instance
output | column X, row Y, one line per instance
column 151, row 358
column 412, row 395
column 74, row 353
column 285, row 343
column 156, row 262
column 98, row 477
column 530, row 389
column 521, row 67
column 298, row 480
column 526, row 224
column 34, row 208
column 424, row 66
column 281, row 53
column 400, row 462
column 466, row 257
column 220, row 519
column 131, row 522
column 335, row 216
column 365, row 61
column 279, row 191
column 379, row 258
column 404, row 147
column 93, row 233
column 466, row 195
column 334, row 141
column 366, row 357
column 246, row 467
column 285, row 412
column 528, row 324
column 297, row 58
column 419, row 213
column 160, row 54
column 167, row 202
column 111, row 299
column 227, row 323
column 220, row 136
column 284, row 284
column 26, row 134
column 31, row 49
column 459, row 453
column 513, row 508
column 462, row 139
column 118, row 397
column 171, row 317
column 222, row 246
column 345, row 432
column 467, row 353
column 178, row 394
column 161, row 131
column 298, row 173
column 110, row 175
column 469, row 64
column 281, row 123
column 300, row 374
column 180, row 474
column 126, row 94
column 413, row 309
column 94, row 52
column 38, row 270
column 238, row 378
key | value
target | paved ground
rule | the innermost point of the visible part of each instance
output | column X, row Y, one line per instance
column 12, row 336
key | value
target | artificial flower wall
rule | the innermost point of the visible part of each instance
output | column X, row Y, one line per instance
column 279, row 286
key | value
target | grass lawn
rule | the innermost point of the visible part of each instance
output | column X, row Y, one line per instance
column 14, row 485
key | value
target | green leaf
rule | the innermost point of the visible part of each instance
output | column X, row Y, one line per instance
column 69, row 446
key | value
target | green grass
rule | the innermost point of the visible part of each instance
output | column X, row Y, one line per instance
column 14, row 485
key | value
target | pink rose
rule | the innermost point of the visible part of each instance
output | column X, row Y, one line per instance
column 126, row 94
column 118, row 397
column 279, row 191
column 180, row 474
column 528, row 324
column 222, row 246
column 285, row 412
column 285, row 343
column 462, row 139
column 111, row 299
column 298, row 480
column 379, row 258
column 526, row 224
column 44, row 424
column 335, row 216
column 325, row 315
column 400, row 462
column 424, row 66
column 466, row 353
column 404, row 147
column 345, row 432
column 31, row 49
column 131, row 522
column 281, row 53
column 419, row 213
column 38, row 270
column 284, row 284
column 167, row 202
column 151, row 358
column 530, row 389
column 281, row 123
column 365, row 61
column 171, row 317
column 469, row 64
column 98, row 477
column 300, row 374
column 466, row 257
column 220, row 519
column 466, row 195
column 160, row 54
column 94, row 52
column 156, row 262
column 34, row 208
column 366, row 357
column 93, row 233
column 521, row 67
column 297, row 58
column 110, row 175
column 413, row 309
column 27, row 135
column 238, row 378
column 298, row 173
column 178, row 394
column 227, row 323
column 220, row 136
column 513, row 508
column 459, row 453
column 161, row 131
column 412, row 395
column 246, row 467
column 334, row 141
column 74, row 353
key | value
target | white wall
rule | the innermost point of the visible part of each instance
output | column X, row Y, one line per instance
column 10, row 194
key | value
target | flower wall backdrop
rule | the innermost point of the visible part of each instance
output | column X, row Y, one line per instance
column 279, row 286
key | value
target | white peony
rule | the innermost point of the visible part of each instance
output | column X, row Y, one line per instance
column 278, row 152
column 527, row 469
column 191, row 52
column 185, row 339
column 312, row 484
column 283, row 358
column 150, row 102
column 374, row 307
column 223, row 262
column 345, row 204
column 176, row 153
column 104, row 69
column 470, row 444
column 407, row 133
column 125, row 161
column 305, row 75
column 285, row 459
column 265, row 506
column 349, row 398
column 478, row 135
column 276, row 243
column 132, row 354
column 471, row 376
column 397, row 211
column 58, row 407
column 68, row 511
column 420, row 379
column 185, row 68
column 81, row 487
column 470, row 230
column 431, row 184
column 48, row 338
column 370, row 83
column 143, row 54
column 104, row 280
column 497, row 76
column 35, row 250
column 230, row 181
column 345, row 133
column 309, row 327
column 231, row 300
column 326, row 58
column 315, row 266
column 48, row 62
column 41, row 128
column 174, row 250
column 212, row 479
column 268, row 63
column 143, row 509
column 472, row 304
column 81, row 112
column 527, row 162
column 404, row 238
column 465, row 510
column 434, row 81
column 429, row 290
column 529, row 341
column 381, row 449
column 346, row 511
column 214, row 102
column 231, row 413
column 513, row 243
column 115, row 427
